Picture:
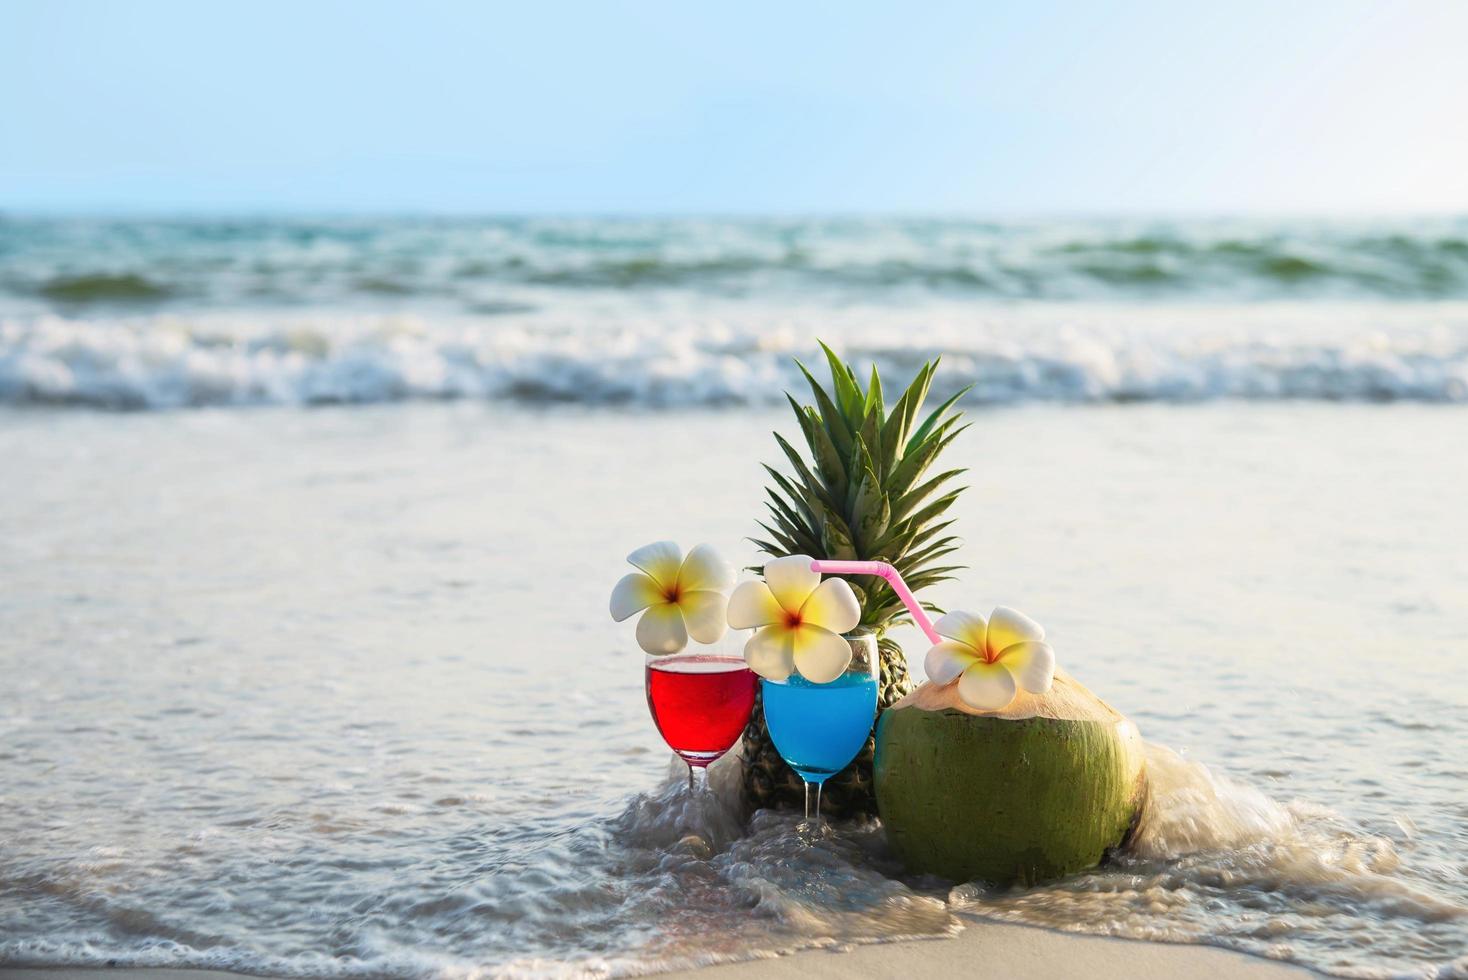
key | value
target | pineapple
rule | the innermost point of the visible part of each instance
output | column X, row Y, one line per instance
column 858, row 493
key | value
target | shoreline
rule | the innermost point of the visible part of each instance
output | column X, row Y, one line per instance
column 1003, row 950
column 982, row 949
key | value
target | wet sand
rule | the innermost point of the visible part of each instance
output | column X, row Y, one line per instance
column 992, row 949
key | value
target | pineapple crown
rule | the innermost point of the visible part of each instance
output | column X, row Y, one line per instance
column 862, row 494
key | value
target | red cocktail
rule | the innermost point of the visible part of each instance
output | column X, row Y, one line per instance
column 700, row 702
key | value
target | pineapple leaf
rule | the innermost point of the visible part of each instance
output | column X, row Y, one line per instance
column 928, row 534
column 835, row 424
column 798, row 498
column 791, row 546
column 895, row 544
column 912, row 498
column 913, row 465
column 933, row 576
column 859, row 462
column 946, row 546
column 764, row 546
column 848, row 392
column 871, row 512
column 874, row 395
column 811, row 483
column 935, row 508
column 871, row 435
column 836, row 537
column 782, row 508
column 932, row 419
column 899, row 423
column 824, row 452
column 804, row 541
column 828, row 461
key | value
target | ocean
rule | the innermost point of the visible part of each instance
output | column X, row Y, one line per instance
column 173, row 314
column 309, row 528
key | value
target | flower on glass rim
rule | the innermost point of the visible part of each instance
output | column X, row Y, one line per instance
column 683, row 596
column 800, row 620
column 989, row 660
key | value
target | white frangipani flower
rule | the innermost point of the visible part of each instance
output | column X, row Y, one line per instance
column 801, row 620
column 989, row 660
column 683, row 596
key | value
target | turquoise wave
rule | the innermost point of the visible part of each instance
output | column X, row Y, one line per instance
column 467, row 264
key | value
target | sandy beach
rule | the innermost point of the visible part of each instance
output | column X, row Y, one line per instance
column 991, row 949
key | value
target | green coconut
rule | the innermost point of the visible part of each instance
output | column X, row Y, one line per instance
column 1041, row 789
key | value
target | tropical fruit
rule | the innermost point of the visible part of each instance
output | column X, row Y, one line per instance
column 1040, row 789
column 859, row 490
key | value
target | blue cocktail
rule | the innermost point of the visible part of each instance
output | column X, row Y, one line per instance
column 819, row 728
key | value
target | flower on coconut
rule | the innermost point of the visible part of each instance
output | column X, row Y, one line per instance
column 800, row 620
column 682, row 597
column 991, row 659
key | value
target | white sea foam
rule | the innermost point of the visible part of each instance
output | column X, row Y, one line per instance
column 738, row 356
column 1218, row 861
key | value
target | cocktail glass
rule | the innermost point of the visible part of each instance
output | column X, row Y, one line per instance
column 700, row 700
column 819, row 728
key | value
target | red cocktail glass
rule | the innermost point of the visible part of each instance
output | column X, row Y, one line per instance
column 700, row 702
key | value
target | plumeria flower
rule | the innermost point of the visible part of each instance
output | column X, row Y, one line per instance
column 989, row 660
column 801, row 620
column 683, row 596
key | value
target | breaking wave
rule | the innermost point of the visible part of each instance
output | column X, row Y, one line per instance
column 1010, row 357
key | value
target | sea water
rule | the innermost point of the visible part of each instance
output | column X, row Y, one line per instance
column 334, row 693
column 305, row 667
column 819, row 728
column 696, row 313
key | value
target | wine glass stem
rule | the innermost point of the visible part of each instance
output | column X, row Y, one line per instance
column 817, row 811
column 698, row 779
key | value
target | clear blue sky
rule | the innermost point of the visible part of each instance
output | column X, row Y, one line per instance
column 755, row 107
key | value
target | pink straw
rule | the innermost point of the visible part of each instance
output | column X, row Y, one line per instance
column 886, row 572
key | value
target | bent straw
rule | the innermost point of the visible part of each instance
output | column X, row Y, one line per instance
column 891, row 576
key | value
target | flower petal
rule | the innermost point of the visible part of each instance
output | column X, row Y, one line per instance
column 820, row 655
column 832, row 606
column 752, row 604
column 791, row 580
column 703, row 614
column 965, row 627
column 661, row 560
column 634, row 592
column 770, row 652
column 660, row 631
column 1010, row 626
column 1032, row 663
column 987, row 687
column 705, row 570
column 948, row 659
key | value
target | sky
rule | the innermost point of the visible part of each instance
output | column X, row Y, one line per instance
column 651, row 107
